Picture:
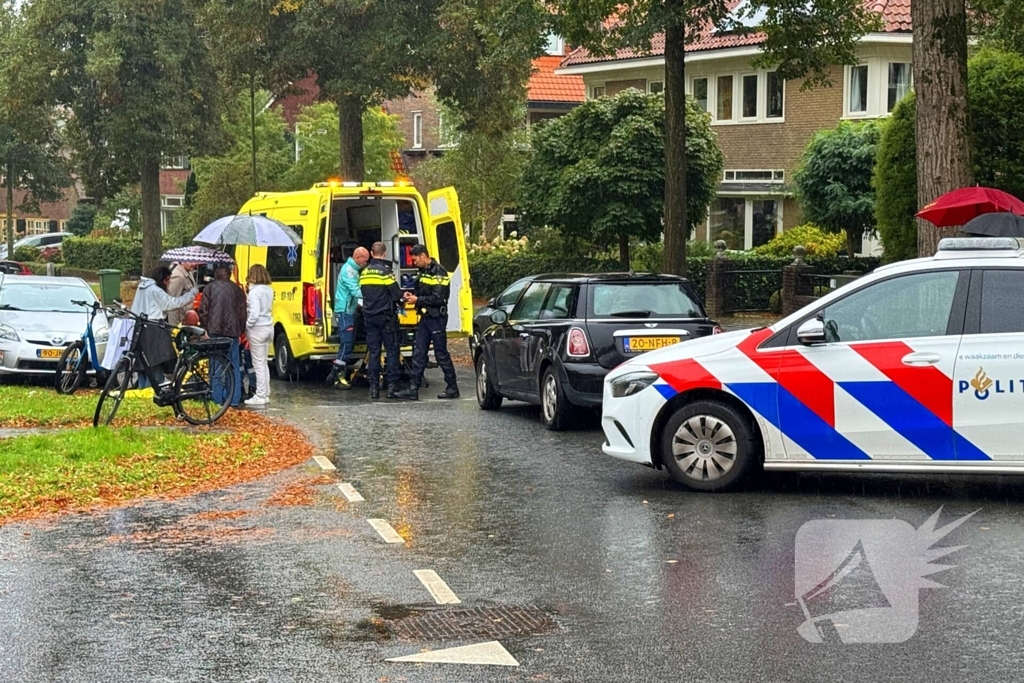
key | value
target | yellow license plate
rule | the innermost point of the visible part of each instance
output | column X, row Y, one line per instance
column 49, row 353
column 638, row 344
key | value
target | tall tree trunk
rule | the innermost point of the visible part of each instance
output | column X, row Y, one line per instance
column 624, row 250
column 252, row 128
column 943, row 126
column 9, row 233
column 350, row 128
column 152, row 235
column 853, row 236
column 676, row 228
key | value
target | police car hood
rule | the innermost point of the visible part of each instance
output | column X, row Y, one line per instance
column 695, row 349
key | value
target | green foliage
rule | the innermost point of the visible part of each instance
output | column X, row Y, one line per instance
column 816, row 241
column 26, row 253
column 995, row 91
column 598, row 172
column 834, row 179
column 318, row 139
column 81, row 221
column 999, row 23
column 492, row 273
column 487, row 171
column 96, row 253
column 895, row 182
column 122, row 213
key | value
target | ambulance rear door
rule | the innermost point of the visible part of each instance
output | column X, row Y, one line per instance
column 446, row 242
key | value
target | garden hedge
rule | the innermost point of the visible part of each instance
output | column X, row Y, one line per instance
column 64, row 271
column 490, row 273
column 97, row 253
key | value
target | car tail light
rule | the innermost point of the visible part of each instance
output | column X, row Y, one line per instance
column 579, row 347
column 718, row 330
column 311, row 310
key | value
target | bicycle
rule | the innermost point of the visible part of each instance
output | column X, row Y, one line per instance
column 202, row 365
column 80, row 355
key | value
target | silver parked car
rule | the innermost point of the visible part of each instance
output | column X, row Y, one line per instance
column 38, row 320
column 48, row 239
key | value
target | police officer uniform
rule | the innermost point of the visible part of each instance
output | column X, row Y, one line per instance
column 433, row 287
column 381, row 296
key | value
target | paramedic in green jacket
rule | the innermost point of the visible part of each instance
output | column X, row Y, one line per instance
column 346, row 299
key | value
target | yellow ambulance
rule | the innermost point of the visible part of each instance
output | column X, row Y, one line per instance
column 333, row 219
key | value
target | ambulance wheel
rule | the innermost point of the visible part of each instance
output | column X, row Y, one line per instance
column 708, row 446
column 284, row 363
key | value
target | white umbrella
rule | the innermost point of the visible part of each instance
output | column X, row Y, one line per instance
column 256, row 231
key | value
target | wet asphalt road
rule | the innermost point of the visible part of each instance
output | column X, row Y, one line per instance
column 641, row 579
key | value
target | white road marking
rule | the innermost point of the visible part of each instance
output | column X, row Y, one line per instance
column 350, row 492
column 482, row 653
column 386, row 531
column 440, row 591
column 324, row 463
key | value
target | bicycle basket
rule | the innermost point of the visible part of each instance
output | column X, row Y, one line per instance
column 214, row 344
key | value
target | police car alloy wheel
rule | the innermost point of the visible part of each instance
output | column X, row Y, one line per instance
column 707, row 446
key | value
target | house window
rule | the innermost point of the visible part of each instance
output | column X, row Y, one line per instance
column 776, row 95
column 177, row 162
column 755, row 176
column 417, row 130
column 724, row 99
column 597, row 91
column 172, row 202
column 655, row 87
column 858, row 101
column 700, row 93
column 744, row 222
column 899, row 83
column 555, row 45
column 750, row 96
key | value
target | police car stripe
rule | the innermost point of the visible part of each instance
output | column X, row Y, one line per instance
column 929, row 385
column 686, row 375
column 805, row 428
column 798, row 375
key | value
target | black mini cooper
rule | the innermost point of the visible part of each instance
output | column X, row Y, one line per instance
column 563, row 334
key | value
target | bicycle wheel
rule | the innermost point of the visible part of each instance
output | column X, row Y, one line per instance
column 113, row 392
column 71, row 368
column 194, row 384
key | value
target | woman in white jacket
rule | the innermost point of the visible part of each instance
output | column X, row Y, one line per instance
column 157, row 353
column 259, row 330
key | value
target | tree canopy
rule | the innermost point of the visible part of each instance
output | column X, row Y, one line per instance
column 599, row 171
column 895, row 183
column 834, row 180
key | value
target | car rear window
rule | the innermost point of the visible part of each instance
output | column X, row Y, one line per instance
column 642, row 300
column 48, row 298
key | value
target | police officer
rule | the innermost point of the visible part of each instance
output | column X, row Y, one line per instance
column 381, row 296
column 431, row 301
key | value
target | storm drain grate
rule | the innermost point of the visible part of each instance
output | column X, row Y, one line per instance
column 472, row 623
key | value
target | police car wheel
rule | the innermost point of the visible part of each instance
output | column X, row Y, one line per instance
column 486, row 396
column 708, row 446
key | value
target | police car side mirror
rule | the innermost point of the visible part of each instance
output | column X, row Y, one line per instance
column 499, row 317
column 811, row 332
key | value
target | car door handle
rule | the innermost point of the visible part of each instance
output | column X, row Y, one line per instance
column 919, row 359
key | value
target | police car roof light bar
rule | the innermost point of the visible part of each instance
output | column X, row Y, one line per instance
column 981, row 244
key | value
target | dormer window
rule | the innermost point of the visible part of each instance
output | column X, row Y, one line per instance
column 555, row 45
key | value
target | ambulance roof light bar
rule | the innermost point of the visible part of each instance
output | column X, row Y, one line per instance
column 981, row 244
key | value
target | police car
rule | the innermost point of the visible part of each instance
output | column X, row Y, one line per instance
column 917, row 367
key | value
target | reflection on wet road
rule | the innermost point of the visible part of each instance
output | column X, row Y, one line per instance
column 582, row 567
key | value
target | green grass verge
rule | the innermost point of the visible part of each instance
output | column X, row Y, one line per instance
column 81, row 467
column 39, row 406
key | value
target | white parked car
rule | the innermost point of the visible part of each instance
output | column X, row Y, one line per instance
column 917, row 367
column 49, row 239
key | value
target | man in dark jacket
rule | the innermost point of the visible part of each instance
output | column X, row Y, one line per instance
column 223, row 313
column 381, row 297
column 433, row 287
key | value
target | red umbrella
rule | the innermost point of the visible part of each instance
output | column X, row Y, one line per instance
column 959, row 206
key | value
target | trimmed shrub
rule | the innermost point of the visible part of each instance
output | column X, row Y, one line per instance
column 26, row 254
column 97, row 253
column 816, row 241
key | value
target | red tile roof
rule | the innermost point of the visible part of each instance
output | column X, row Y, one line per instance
column 54, row 211
column 895, row 14
column 545, row 86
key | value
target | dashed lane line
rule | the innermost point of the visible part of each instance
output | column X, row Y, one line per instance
column 324, row 463
column 438, row 589
column 386, row 531
column 350, row 492
column 491, row 653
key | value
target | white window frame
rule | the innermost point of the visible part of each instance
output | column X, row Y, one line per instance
column 848, row 112
column 597, row 91
column 888, row 67
column 748, row 216
column 175, row 162
column 760, row 103
column 172, row 202
column 417, row 130
column 692, row 92
column 559, row 44
column 778, row 175
column 651, row 84
column 737, row 97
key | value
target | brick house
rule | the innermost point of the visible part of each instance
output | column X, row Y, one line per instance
column 763, row 123
column 51, row 216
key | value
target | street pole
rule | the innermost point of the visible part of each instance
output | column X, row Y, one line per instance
column 252, row 114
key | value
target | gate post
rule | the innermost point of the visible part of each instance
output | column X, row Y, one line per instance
column 717, row 283
column 795, row 287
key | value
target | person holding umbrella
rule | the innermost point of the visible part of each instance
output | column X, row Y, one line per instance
column 181, row 282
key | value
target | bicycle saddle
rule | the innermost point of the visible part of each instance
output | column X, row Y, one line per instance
column 193, row 330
